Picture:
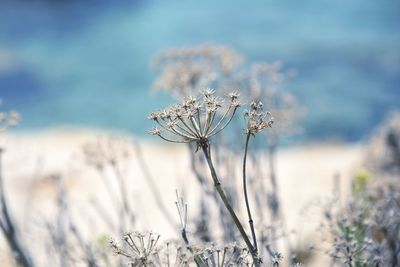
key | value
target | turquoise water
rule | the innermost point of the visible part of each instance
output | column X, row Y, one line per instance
column 69, row 63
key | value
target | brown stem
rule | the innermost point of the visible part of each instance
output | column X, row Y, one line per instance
column 253, row 233
column 217, row 185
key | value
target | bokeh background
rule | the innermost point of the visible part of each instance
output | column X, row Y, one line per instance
column 87, row 63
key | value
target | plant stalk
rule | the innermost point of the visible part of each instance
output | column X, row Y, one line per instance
column 217, row 184
column 253, row 232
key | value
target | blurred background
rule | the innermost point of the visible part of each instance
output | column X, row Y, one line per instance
column 87, row 63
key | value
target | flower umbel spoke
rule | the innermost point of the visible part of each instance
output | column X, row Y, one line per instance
column 195, row 118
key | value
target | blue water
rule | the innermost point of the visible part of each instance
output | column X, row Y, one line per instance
column 87, row 62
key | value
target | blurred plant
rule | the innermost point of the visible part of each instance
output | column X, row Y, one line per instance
column 67, row 240
column 383, row 153
column 366, row 228
column 7, row 224
column 184, row 71
column 105, row 155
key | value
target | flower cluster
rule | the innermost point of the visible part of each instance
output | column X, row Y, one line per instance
column 141, row 248
column 105, row 150
column 257, row 119
column 186, row 70
column 195, row 119
column 266, row 82
column 231, row 254
column 224, row 57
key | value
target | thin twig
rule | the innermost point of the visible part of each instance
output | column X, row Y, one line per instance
column 251, row 223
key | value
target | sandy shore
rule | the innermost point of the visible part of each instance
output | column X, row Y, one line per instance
column 305, row 176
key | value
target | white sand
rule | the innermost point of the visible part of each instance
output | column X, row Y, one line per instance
column 305, row 175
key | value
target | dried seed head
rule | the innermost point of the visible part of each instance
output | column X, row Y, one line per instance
column 186, row 70
column 208, row 92
column 195, row 119
column 154, row 115
column 106, row 150
column 257, row 119
column 233, row 95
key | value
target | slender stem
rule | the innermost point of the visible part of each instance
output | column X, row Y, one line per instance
column 126, row 210
column 217, row 185
column 253, row 233
column 272, row 154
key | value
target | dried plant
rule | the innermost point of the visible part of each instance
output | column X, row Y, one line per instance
column 193, row 121
column 365, row 229
column 186, row 70
column 383, row 152
column 105, row 155
column 66, row 239
column 265, row 82
column 140, row 249
column 7, row 224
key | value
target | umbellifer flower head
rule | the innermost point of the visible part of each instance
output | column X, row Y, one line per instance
column 195, row 119
column 257, row 119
